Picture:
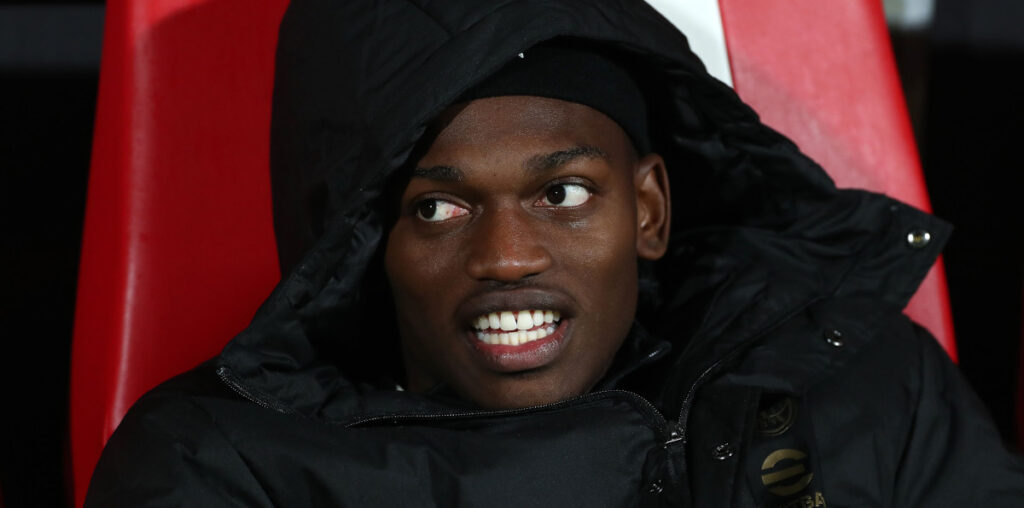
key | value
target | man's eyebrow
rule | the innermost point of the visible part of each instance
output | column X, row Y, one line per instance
column 547, row 162
column 440, row 173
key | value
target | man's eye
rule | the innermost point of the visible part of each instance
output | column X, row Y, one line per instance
column 437, row 210
column 565, row 195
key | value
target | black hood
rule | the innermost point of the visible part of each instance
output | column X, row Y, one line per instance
column 759, row 229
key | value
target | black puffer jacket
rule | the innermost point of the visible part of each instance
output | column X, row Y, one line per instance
column 770, row 366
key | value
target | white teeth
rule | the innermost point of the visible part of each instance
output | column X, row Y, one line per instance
column 508, row 321
column 514, row 328
column 516, row 338
column 524, row 321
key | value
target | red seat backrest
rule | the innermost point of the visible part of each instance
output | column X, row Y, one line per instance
column 178, row 247
column 823, row 73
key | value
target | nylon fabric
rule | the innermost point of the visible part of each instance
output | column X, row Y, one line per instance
column 727, row 392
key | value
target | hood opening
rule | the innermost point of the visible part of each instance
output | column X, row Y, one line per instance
column 336, row 139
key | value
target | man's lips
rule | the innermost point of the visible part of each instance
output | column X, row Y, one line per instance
column 533, row 354
column 497, row 320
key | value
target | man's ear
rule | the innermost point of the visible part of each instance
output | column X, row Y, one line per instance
column 653, row 206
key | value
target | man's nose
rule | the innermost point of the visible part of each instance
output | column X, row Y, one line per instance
column 507, row 247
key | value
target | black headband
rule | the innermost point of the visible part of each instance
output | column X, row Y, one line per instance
column 573, row 75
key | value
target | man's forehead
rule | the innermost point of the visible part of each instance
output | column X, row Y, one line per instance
column 539, row 163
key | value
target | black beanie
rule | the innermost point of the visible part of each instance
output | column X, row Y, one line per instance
column 573, row 75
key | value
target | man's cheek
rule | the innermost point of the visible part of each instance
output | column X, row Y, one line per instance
column 424, row 263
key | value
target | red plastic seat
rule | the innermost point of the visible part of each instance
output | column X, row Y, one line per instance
column 823, row 73
column 178, row 247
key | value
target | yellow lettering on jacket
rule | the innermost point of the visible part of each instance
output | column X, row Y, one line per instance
column 807, row 501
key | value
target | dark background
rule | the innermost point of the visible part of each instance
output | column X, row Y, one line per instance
column 962, row 74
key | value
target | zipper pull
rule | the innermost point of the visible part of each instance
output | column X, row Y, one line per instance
column 674, row 434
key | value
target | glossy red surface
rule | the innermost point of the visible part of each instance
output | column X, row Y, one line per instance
column 823, row 73
column 178, row 248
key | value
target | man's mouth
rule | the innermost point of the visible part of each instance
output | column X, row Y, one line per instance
column 514, row 328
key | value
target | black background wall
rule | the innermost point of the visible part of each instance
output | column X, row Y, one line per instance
column 962, row 79
column 972, row 153
column 49, row 55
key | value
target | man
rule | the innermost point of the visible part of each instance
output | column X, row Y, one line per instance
column 513, row 263
column 495, row 298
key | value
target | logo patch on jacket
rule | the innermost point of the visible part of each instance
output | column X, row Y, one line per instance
column 783, row 463
column 777, row 417
column 785, row 473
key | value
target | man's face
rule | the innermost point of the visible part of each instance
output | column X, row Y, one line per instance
column 513, row 262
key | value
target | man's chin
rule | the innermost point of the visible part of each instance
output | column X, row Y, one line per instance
column 522, row 390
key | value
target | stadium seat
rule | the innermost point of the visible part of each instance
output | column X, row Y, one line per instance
column 178, row 249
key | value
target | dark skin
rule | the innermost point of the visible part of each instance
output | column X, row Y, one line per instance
column 520, row 203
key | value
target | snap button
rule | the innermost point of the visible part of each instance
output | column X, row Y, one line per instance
column 723, row 451
column 918, row 238
column 656, row 488
column 834, row 338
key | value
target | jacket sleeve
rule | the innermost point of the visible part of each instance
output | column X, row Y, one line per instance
column 169, row 453
column 954, row 455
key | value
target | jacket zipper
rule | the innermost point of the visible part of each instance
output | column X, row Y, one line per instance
column 684, row 412
column 646, row 408
column 231, row 380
